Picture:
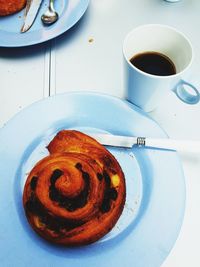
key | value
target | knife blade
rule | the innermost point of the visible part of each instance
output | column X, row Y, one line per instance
column 161, row 143
column 114, row 140
column 32, row 8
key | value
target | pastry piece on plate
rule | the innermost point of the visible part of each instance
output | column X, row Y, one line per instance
column 8, row 7
column 75, row 195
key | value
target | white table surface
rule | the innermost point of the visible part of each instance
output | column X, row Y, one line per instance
column 89, row 57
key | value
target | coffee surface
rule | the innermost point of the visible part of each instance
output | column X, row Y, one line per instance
column 154, row 63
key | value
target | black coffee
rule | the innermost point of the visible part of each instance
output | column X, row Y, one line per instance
column 154, row 63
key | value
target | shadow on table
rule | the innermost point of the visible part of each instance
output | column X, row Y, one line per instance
column 191, row 157
column 23, row 52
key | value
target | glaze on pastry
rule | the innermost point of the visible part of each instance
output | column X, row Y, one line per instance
column 8, row 7
column 75, row 195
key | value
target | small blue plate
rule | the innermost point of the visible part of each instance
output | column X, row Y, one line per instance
column 153, row 213
column 70, row 11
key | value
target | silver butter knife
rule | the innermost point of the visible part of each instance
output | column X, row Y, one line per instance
column 32, row 8
column 161, row 143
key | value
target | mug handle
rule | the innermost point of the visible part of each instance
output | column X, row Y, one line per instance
column 184, row 95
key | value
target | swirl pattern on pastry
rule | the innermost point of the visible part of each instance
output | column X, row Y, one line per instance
column 75, row 195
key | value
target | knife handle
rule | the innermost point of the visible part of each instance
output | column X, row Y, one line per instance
column 172, row 144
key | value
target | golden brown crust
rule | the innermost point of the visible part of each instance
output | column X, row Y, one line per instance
column 8, row 7
column 75, row 195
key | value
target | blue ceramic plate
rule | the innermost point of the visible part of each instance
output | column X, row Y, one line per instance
column 153, row 213
column 70, row 11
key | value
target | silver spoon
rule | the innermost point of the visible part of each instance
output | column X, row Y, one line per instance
column 50, row 16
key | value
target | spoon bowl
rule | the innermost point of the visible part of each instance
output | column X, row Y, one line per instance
column 50, row 16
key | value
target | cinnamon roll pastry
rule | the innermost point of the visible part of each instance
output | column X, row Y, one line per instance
column 75, row 195
column 8, row 7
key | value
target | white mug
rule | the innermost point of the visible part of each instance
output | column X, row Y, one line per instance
column 147, row 90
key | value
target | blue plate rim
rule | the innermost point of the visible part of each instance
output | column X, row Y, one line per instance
column 136, row 109
column 10, row 40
